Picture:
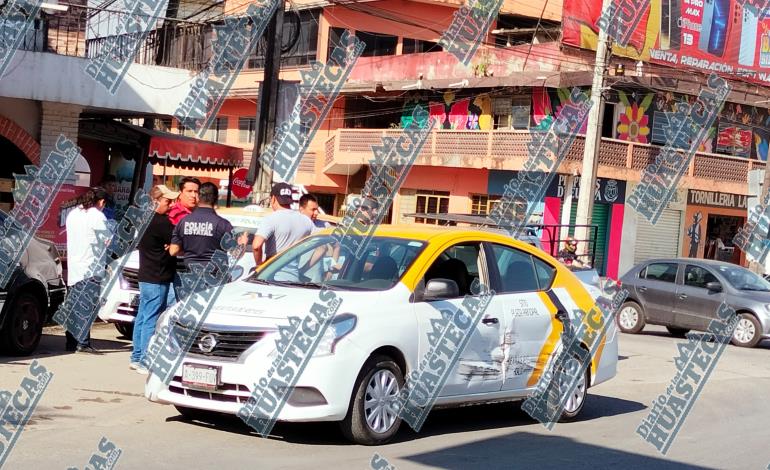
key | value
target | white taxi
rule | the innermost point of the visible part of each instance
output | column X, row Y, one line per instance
column 389, row 297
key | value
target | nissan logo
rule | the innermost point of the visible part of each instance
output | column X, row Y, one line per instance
column 207, row 343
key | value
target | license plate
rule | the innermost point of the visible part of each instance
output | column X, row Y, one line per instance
column 134, row 302
column 200, row 376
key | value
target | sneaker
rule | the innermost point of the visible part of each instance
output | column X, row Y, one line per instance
column 88, row 350
column 134, row 365
column 142, row 370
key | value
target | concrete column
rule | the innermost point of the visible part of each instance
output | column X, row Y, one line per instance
column 57, row 118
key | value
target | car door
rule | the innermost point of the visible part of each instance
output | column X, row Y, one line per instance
column 520, row 281
column 656, row 289
column 695, row 306
column 478, row 367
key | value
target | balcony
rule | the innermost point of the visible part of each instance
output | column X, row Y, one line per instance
column 348, row 150
column 60, row 44
column 82, row 32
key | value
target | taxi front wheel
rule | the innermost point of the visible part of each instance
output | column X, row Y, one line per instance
column 373, row 414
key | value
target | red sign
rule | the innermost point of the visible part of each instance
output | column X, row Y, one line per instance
column 729, row 37
column 239, row 187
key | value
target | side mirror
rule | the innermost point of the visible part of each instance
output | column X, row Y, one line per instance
column 439, row 289
column 714, row 286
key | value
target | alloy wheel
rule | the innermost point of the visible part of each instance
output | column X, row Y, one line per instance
column 628, row 317
column 578, row 394
column 744, row 331
column 380, row 402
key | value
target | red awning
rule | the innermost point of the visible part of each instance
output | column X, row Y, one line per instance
column 165, row 148
column 178, row 150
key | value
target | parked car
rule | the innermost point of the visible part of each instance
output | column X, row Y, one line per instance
column 389, row 298
column 32, row 295
column 684, row 294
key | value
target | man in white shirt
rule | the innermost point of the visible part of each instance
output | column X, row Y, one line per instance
column 83, row 265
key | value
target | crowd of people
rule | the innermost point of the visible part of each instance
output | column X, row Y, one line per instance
column 185, row 226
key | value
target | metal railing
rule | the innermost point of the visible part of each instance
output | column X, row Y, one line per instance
column 83, row 32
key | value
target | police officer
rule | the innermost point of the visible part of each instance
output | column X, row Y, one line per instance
column 197, row 236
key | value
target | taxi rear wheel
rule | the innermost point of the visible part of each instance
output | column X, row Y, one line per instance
column 373, row 415
column 575, row 398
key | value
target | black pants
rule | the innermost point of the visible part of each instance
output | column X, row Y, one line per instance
column 72, row 342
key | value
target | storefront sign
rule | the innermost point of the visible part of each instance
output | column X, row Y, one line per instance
column 239, row 186
column 716, row 199
column 607, row 191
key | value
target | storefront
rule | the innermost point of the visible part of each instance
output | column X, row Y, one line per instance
column 711, row 221
column 607, row 215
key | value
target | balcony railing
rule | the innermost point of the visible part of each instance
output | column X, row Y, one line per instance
column 461, row 148
column 83, row 32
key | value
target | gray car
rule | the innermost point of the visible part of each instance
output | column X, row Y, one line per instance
column 684, row 294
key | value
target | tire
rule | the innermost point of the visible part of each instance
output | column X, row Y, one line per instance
column 23, row 325
column 748, row 331
column 574, row 405
column 631, row 318
column 384, row 424
column 125, row 329
column 677, row 332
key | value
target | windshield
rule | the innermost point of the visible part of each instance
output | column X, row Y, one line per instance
column 320, row 260
column 743, row 279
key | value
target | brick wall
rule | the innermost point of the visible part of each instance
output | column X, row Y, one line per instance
column 57, row 118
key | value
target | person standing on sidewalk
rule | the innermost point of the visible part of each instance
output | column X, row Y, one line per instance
column 82, row 224
column 156, row 272
column 199, row 235
column 189, row 192
column 280, row 230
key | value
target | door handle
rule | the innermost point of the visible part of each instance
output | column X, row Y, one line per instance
column 490, row 321
column 682, row 296
column 642, row 289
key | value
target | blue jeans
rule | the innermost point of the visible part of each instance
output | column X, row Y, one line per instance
column 152, row 302
column 174, row 291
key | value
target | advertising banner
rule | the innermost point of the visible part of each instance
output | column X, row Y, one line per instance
column 723, row 36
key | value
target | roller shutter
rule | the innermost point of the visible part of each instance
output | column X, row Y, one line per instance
column 660, row 240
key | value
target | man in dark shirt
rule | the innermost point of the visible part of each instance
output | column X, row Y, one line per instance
column 156, row 271
column 199, row 235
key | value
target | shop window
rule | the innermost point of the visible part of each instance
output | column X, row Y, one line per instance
column 695, row 276
column 218, row 130
column 377, row 44
column 300, row 40
column 520, row 110
column 414, row 46
column 335, row 40
column 246, row 129
column 482, row 204
column 431, row 202
column 303, row 26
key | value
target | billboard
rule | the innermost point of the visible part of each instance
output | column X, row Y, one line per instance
column 724, row 36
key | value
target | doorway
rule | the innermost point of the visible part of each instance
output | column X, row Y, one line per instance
column 720, row 230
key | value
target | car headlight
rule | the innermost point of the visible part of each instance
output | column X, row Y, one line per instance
column 340, row 327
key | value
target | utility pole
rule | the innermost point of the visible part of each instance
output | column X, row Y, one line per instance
column 593, row 139
column 261, row 173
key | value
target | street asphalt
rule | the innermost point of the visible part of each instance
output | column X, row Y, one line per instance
column 91, row 397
